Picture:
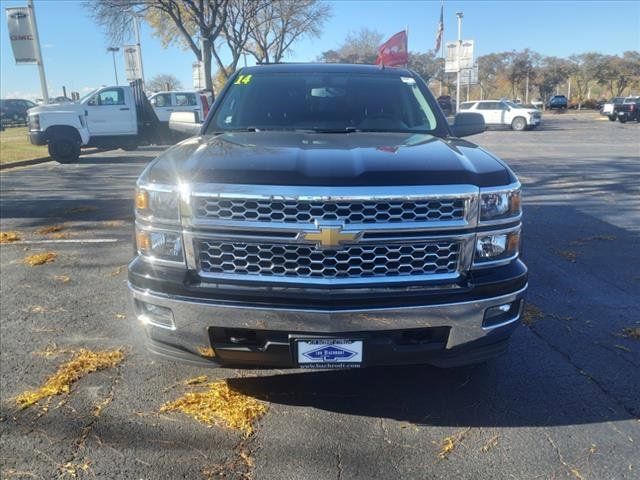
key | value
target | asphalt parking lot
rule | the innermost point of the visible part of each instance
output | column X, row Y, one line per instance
column 564, row 402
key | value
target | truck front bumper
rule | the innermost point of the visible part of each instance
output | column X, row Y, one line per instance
column 36, row 137
column 209, row 332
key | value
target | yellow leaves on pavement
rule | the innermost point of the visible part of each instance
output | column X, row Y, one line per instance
column 206, row 352
column 218, row 403
column 531, row 314
column 9, row 237
column 50, row 229
column 40, row 258
column 450, row 443
column 82, row 363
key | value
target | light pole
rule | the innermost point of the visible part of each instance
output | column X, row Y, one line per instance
column 113, row 50
column 459, row 15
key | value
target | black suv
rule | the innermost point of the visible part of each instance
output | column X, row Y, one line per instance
column 558, row 102
column 14, row 110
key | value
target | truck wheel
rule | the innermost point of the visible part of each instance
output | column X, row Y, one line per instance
column 64, row 150
column 519, row 124
column 622, row 119
column 612, row 118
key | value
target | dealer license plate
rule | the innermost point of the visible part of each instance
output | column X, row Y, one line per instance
column 329, row 353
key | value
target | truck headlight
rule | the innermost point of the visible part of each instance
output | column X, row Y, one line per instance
column 499, row 204
column 493, row 247
column 34, row 122
column 160, row 245
column 157, row 205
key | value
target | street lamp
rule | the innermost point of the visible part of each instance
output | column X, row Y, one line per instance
column 113, row 50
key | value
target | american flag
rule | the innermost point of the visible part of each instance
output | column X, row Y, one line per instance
column 440, row 29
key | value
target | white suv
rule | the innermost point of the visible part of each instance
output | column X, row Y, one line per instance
column 504, row 112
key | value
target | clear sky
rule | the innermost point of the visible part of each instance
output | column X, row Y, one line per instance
column 74, row 49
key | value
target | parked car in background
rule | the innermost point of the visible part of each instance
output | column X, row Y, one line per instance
column 14, row 110
column 445, row 104
column 504, row 113
column 608, row 108
column 164, row 103
column 628, row 110
column 558, row 102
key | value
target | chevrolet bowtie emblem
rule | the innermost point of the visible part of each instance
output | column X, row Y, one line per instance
column 330, row 237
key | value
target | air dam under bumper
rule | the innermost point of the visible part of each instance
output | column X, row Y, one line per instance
column 446, row 335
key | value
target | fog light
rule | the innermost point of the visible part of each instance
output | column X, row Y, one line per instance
column 500, row 314
column 155, row 315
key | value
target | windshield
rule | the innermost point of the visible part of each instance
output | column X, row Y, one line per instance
column 325, row 102
column 88, row 95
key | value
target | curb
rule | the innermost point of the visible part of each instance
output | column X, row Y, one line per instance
column 25, row 163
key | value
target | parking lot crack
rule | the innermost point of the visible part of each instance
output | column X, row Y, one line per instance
column 585, row 374
column 95, row 415
column 339, row 463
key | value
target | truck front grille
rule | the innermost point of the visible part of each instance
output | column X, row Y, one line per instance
column 346, row 212
column 350, row 261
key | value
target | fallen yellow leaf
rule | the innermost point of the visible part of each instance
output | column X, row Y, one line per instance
column 83, row 363
column 9, row 237
column 219, row 403
column 40, row 258
column 50, row 229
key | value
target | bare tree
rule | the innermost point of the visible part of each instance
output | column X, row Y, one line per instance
column 195, row 23
column 277, row 26
column 164, row 81
column 241, row 18
column 359, row 47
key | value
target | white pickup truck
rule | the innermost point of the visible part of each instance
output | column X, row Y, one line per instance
column 108, row 118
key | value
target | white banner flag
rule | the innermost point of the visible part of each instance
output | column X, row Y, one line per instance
column 466, row 56
column 132, row 62
column 21, row 33
column 198, row 75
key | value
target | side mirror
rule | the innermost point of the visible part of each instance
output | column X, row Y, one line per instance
column 466, row 124
column 185, row 122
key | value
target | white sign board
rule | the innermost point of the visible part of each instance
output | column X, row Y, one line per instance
column 466, row 56
column 197, row 69
column 469, row 76
column 22, row 35
column 132, row 65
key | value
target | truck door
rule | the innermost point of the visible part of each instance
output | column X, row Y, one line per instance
column 109, row 113
column 162, row 105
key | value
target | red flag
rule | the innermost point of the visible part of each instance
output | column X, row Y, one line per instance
column 393, row 52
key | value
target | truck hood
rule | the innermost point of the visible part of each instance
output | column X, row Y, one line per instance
column 526, row 110
column 73, row 108
column 327, row 159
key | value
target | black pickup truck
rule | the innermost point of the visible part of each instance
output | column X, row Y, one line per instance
column 328, row 216
column 628, row 110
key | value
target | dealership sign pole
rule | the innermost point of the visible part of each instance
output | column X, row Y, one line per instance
column 23, row 32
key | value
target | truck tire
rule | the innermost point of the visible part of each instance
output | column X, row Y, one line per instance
column 622, row 118
column 518, row 124
column 612, row 118
column 64, row 150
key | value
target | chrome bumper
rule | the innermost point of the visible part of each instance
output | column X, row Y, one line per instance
column 192, row 318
